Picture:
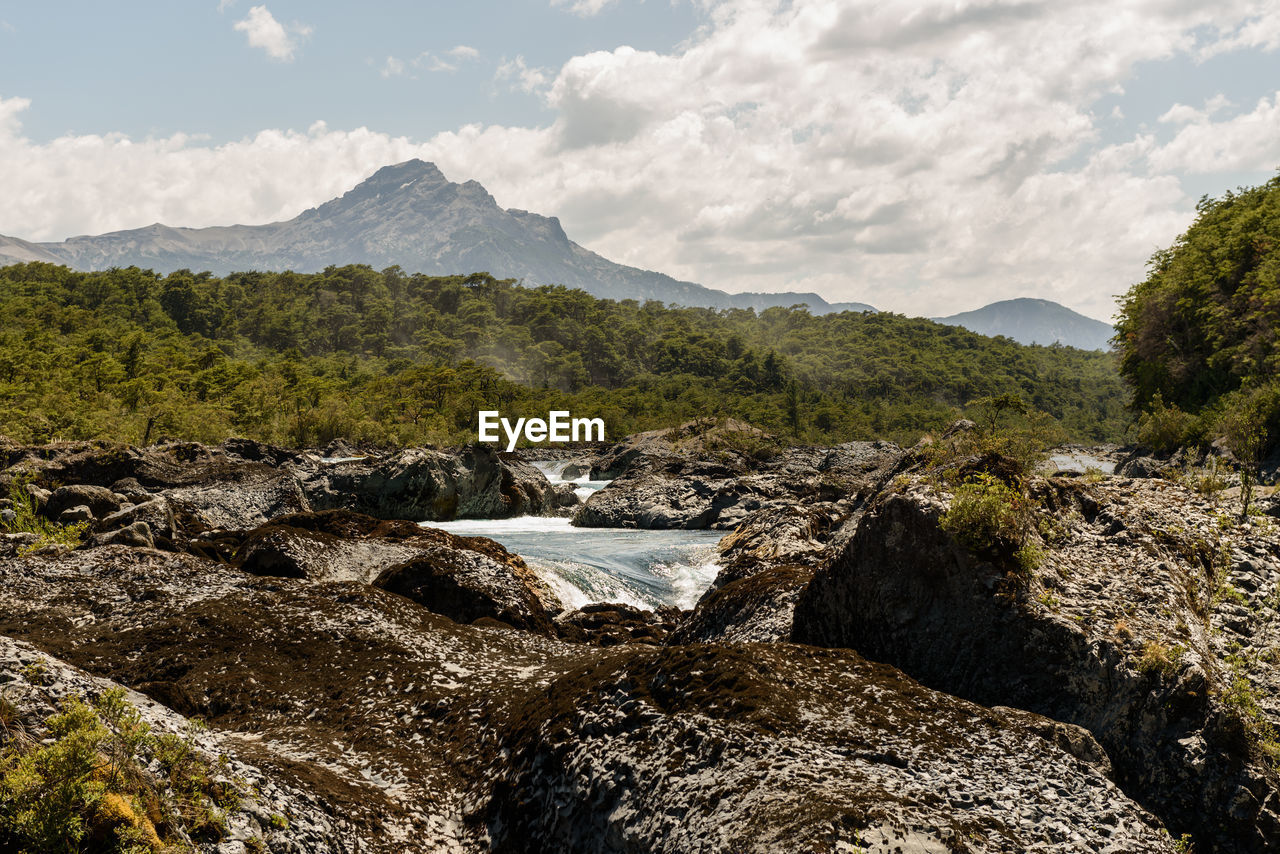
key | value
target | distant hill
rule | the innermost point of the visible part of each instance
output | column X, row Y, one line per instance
column 1035, row 321
column 408, row 215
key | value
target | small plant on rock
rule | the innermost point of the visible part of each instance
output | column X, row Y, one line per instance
column 1157, row 657
column 27, row 520
column 992, row 519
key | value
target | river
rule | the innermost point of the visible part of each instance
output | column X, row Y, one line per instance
column 586, row 565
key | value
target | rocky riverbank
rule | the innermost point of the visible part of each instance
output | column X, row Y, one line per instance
column 855, row 679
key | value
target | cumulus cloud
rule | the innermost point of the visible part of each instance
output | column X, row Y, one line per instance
column 264, row 31
column 1245, row 142
column 584, row 8
column 449, row 61
column 393, row 67
column 1261, row 29
column 517, row 73
column 920, row 155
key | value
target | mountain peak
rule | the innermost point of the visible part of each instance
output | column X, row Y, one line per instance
column 400, row 175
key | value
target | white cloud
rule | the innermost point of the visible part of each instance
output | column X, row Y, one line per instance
column 925, row 157
column 518, row 73
column 224, row 5
column 583, row 8
column 393, row 67
column 429, row 61
column 264, row 31
column 1260, row 30
column 1245, row 142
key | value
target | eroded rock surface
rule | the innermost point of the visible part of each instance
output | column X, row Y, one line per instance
column 1132, row 628
column 424, row 734
column 279, row 816
column 661, row 491
column 426, row 485
column 765, row 564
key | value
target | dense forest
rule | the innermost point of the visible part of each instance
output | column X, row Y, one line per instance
column 391, row 358
column 1199, row 339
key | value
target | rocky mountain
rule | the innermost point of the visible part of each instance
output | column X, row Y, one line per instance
column 408, row 215
column 1035, row 321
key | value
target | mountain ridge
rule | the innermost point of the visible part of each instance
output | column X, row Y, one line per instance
column 1029, row 320
column 408, row 215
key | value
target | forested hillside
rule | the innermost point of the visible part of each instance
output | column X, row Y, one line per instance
column 395, row 358
column 1200, row 337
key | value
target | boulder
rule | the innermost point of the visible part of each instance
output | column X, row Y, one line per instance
column 774, row 748
column 425, row 485
column 75, row 515
column 613, row 623
column 133, row 491
column 721, row 490
column 235, row 496
column 36, row 685
column 155, row 512
column 39, row 495
column 764, row 565
column 463, row 578
column 99, row 500
column 468, row 586
column 137, row 534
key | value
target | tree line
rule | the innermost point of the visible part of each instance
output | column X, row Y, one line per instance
column 394, row 358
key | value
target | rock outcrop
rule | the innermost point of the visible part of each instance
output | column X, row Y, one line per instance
column 273, row 814
column 765, row 564
column 399, row 688
column 425, row 485
column 667, row 490
column 1132, row 628
column 424, row 734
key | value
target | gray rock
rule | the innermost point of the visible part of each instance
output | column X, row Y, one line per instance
column 36, row 683
column 394, row 729
column 133, row 491
column 236, row 496
column 156, row 512
column 718, row 492
column 425, row 485
column 1110, row 634
column 99, row 500
column 40, row 495
column 75, row 515
column 137, row 535
column 765, row 563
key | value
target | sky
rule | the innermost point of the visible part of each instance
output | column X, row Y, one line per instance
column 924, row 157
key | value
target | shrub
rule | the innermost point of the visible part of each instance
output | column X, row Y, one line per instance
column 1165, row 428
column 991, row 518
column 1157, row 657
column 27, row 520
column 87, row 786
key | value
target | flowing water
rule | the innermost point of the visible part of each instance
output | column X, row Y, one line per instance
column 586, row 565
column 1079, row 461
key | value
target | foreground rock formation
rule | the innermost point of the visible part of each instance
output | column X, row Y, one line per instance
column 705, row 475
column 389, row 687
